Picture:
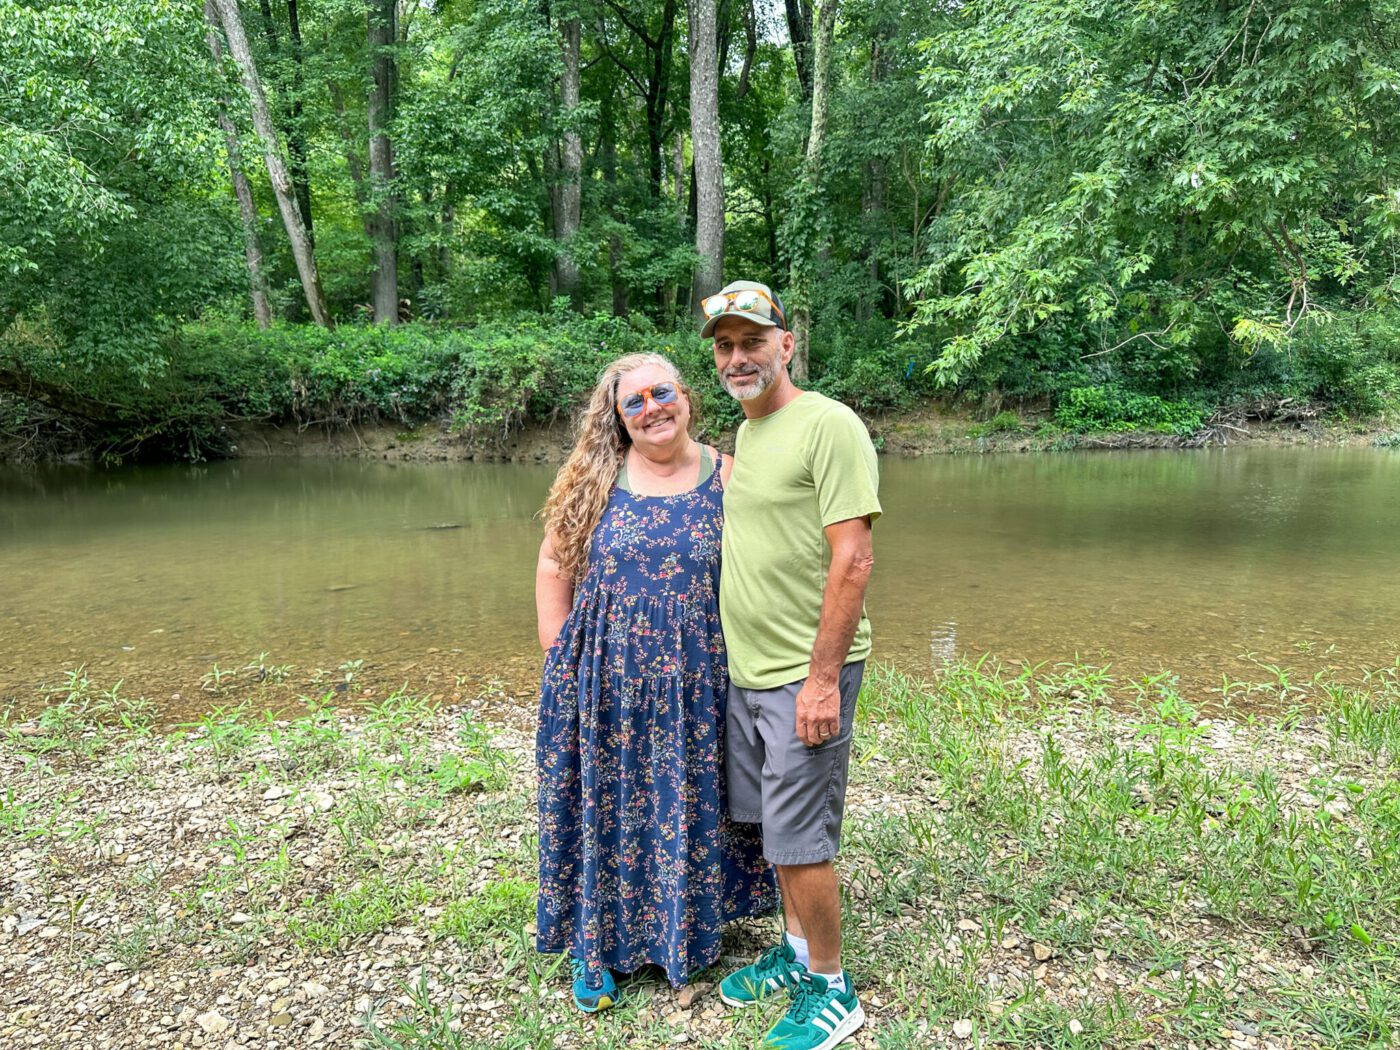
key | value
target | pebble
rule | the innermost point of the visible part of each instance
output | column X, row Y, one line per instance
column 692, row 993
column 213, row 1022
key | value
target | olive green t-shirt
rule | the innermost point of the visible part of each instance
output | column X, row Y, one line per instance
column 804, row 467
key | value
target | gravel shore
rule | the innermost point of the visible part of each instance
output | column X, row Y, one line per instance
column 367, row 880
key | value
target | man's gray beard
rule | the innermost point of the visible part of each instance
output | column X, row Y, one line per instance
column 762, row 381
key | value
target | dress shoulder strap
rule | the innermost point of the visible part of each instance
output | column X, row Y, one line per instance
column 707, row 465
column 715, row 474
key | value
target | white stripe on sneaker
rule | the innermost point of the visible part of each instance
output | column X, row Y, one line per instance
column 834, row 1012
column 850, row 1023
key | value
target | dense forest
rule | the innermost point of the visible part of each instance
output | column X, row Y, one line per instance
column 1127, row 213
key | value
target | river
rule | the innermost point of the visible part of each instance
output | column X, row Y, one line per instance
column 1204, row 563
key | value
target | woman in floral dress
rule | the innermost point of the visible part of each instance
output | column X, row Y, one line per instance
column 639, row 863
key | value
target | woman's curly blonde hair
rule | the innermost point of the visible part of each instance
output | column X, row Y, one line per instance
column 580, row 491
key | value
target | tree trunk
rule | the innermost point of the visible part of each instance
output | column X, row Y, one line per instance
column 276, row 166
column 707, row 152
column 296, row 129
column 620, row 304
column 750, row 49
column 811, row 178
column 658, row 89
column 799, row 22
column 384, row 277
column 291, row 111
column 569, row 196
column 671, row 294
column 247, row 210
column 447, row 227
column 872, row 207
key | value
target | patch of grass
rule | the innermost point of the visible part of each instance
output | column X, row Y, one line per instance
column 1049, row 856
column 1364, row 724
column 1132, row 841
column 327, row 921
column 483, row 768
column 16, row 815
column 225, row 733
column 314, row 742
column 1001, row 423
column 76, row 711
column 500, row 907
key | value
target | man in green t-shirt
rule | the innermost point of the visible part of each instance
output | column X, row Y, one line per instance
column 798, row 510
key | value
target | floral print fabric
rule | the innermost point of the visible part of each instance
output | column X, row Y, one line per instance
column 639, row 862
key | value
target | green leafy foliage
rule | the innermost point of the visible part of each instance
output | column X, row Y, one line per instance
column 1089, row 408
column 109, row 222
column 1001, row 423
column 1173, row 188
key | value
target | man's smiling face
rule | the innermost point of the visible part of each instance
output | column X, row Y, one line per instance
column 749, row 356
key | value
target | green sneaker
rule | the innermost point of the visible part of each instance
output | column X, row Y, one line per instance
column 776, row 970
column 819, row 1017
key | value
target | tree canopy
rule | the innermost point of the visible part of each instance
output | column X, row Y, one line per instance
column 1020, row 198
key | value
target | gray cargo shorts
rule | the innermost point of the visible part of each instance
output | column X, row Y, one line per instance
column 798, row 793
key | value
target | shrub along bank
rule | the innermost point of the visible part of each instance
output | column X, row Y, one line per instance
column 485, row 380
column 482, row 380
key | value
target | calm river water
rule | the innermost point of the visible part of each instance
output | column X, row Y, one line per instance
column 1196, row 562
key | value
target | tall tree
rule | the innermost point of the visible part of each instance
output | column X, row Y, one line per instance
column 289, row 90
column 808, row 220
column 296, row 128
column 247, row 210
column 608, row 147
column 707, row 152
column 383, row 226
column 799, row 24
column 276, row 165
column 652, row 81
column 568, row 196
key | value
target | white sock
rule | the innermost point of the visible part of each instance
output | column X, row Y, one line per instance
column 799, row 947
column 835, row 981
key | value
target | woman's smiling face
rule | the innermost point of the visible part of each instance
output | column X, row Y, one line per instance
column 656, row 426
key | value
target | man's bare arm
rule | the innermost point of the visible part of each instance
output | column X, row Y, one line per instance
column 852, row 559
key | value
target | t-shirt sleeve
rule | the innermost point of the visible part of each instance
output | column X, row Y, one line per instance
column 845, row 470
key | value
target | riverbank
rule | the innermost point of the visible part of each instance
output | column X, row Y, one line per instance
column 929, row 428
column 1043, row 859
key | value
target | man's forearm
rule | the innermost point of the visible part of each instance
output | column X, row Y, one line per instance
column 842, row 604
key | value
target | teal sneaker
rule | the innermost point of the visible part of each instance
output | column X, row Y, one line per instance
column 819, row 1017
column 775, row 971
column 595, row 995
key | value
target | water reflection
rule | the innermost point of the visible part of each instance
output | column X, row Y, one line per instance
column 942, row 644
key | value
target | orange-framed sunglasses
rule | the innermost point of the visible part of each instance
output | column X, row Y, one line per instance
column 635, row 403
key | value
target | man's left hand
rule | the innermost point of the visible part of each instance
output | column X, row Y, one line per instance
column 818, row 713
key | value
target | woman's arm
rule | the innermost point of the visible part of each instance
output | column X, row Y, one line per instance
column 726, row 467
column 554, row 595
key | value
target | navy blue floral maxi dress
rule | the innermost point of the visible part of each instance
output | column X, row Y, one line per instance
column 639, row 862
